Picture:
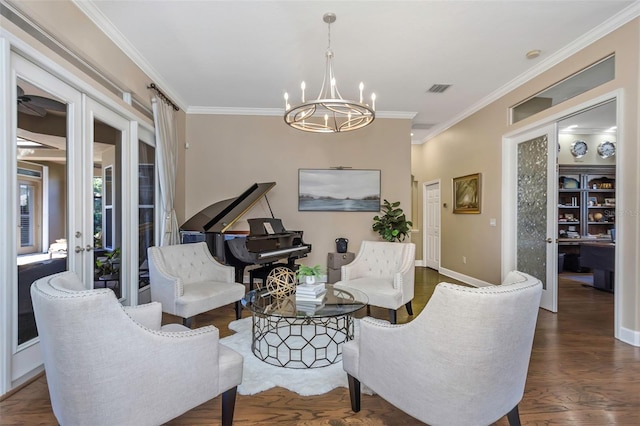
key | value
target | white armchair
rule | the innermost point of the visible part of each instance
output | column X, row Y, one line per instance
column 462, row 361
column 187, row 281
column 112, row 365
column 385, row 272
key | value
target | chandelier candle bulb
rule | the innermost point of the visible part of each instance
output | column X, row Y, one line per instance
column 373, row 101
column 329, row 113
column 286, row 100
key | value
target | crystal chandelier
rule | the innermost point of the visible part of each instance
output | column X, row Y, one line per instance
column 329, row 113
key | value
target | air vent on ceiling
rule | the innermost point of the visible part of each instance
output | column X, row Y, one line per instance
column 438, row 88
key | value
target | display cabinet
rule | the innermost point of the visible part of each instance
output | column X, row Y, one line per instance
column 586, row 203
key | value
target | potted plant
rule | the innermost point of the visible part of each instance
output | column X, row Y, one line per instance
column 108, row 265
column 393, row 224
column 309, row 274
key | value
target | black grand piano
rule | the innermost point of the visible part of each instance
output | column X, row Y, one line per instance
column 268, row 243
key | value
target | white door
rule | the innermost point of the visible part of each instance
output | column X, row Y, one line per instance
column 109, row 228
column 45, row 148
column 431, row 208
column 530, row 201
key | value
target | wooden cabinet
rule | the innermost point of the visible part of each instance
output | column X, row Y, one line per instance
column 586, row 203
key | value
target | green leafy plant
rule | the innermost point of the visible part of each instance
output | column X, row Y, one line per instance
column 109, row 263
column 393, row 224
column 309, row 271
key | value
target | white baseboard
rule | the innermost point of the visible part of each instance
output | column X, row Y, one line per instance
column 464, row 278
column 629, row 336
column 419, row 263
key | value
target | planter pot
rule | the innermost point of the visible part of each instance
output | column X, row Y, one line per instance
column 310, row 279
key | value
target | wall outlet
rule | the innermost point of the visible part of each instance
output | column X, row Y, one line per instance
column 464, row 259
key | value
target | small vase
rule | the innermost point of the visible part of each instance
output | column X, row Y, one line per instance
column 310, row 279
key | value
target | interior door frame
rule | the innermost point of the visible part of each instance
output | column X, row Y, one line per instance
column 425, row 219
column 508, row 204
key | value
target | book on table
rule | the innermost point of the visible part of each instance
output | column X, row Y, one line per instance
column 310, row 298
column 311, row 289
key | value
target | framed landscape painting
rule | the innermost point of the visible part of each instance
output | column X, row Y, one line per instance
column 344, row 190
column 466, row 194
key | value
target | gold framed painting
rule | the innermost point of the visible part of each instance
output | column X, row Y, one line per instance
column 467, row 192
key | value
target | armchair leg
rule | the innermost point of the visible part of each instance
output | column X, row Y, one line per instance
column 354, row 393
column 187, row 322
column 238, row 310
column 392, row 316
column 409, row 307
column 228, row 406
column 514, row 417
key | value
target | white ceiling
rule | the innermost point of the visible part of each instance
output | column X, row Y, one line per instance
column 241, row 56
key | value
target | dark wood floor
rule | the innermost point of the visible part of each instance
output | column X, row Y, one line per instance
column 579, row 375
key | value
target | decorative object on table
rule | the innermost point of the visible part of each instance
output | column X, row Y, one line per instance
column 281, row 282
column 341, row 245
column 339, row 189
column 579, row 149
column 310, row 297
column 393, row 224
column 466, row 194
column 329, row 113
column 309, row 274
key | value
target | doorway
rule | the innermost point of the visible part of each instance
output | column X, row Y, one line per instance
column 510, row 194
column 431, row 224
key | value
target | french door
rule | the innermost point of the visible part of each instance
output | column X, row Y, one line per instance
column 530, row 200
column 60, row 142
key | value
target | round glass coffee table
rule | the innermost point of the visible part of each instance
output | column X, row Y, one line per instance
column 302, row 335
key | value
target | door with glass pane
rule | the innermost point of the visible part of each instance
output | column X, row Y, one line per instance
column 45, row 136
column 104, row 236
column 533, row 206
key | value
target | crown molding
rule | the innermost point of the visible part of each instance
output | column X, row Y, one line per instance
column 280, row 112
column 104, row 25
column 610, row 25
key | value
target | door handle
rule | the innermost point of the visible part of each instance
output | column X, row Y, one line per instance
column 79, row 249
column 549, row 240
column 89, row 247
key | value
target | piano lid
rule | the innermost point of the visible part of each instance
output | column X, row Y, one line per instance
column 219, row 217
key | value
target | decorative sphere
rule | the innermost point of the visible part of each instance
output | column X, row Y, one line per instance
column 281, row 282
column 598, row 216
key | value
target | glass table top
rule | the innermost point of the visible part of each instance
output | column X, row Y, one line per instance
column 336, row 302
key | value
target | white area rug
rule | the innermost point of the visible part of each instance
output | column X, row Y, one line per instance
column 259, row 376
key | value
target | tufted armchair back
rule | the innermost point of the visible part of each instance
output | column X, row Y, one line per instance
column 191, row 263
column 380, row 259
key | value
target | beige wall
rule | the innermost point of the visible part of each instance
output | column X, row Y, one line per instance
column 474, row 145
column 229, row 153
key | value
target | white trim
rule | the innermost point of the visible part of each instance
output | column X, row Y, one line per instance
column 279, row 112
column 595, row 34
column 629, row 336
column 7, row 216
column 464, row 278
